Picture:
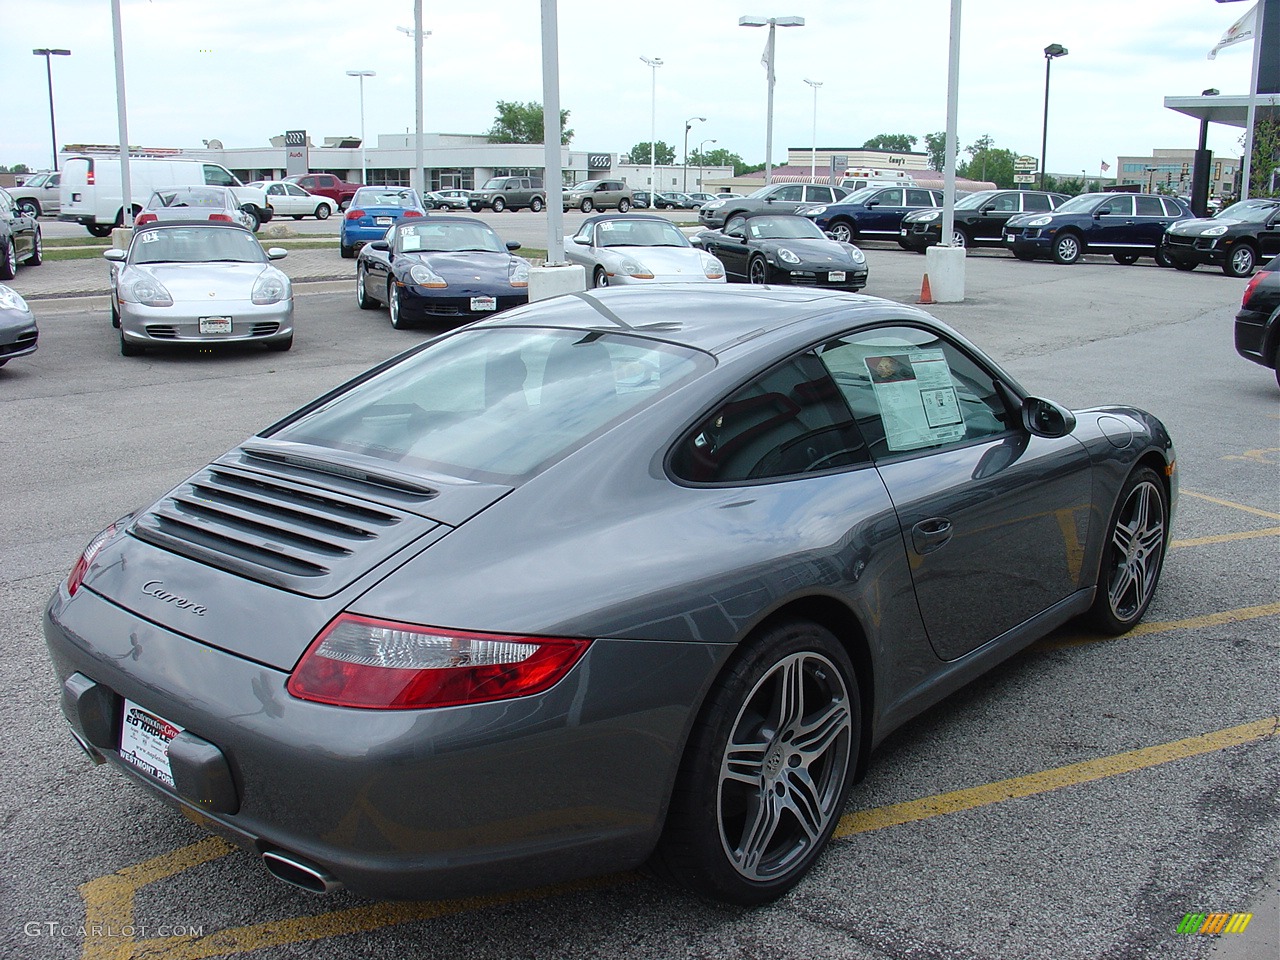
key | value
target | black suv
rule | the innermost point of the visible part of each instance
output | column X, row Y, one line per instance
column 1125, row 225
column 1236, row 239
column 979, row 218
column 873, row 213
column 1258, row 322
column 775, row 198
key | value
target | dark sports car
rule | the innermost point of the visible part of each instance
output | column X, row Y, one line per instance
column 441, row 267
column 783, row 248
column 18, row 332
column 1237, row 238
column 634, row 574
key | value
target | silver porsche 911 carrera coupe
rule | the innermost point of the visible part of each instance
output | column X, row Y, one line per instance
column 634, row 575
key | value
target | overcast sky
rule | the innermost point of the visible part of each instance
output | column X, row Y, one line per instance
column 244, row 70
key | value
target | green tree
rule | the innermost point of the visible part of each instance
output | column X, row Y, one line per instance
column 992, row 164
column 936, row 145
column 892, row 141
column 1266, row 157
column 978, row 151
column 716, row 158
column 662, row 153
column 522, row 123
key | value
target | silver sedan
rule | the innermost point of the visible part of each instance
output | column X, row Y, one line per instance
column 199, row 283
column 626, row 248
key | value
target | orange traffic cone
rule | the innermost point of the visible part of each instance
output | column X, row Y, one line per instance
column 926, row 295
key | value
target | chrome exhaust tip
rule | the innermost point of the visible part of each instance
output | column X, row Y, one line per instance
column 298, row 872
column 88, row 748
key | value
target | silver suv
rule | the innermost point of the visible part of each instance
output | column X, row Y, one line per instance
column 38, row 195
column 599, row 195
column 509, row 193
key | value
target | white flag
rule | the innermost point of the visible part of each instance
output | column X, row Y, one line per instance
column 768, row 52
column 1238, row 32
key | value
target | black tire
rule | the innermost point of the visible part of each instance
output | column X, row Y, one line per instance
column 599, row 278
column 1067, row 248
column 255, row 222
column 767, row 768
column 115, row 314
column 669, row 206
column 841, row 231
column 36, row 257
column 1162, row 258
column 757, row 270
column 1021, row 255
column 475, row 207
column 1240, row 261
column 29, row 207
column 624, row 205
column 296, row 216
column 128, row 349
column 323, row 211
column 8, row 261
column 536, row 204
column 958, row 238
column 499, row 204
column 1125, row 258
column 345, row 251
column 363, row 300
column 1183, row 265
column 1133, row 554
column 99, row 229
column 587, row 205
column 281, row 346
column 393, row 306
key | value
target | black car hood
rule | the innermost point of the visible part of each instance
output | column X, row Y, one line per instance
column 469, row 267
column 810, row 250
column 1196, row 228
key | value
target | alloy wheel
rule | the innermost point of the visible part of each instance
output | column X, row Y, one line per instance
column 1137, row 544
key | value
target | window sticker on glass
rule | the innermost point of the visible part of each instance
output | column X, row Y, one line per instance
column 917, row 400
column 410, row 241
column 149, row 237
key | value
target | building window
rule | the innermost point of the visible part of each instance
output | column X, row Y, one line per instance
column 388, row 177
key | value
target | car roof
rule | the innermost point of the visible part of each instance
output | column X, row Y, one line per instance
column 211, row 224
column 713, row 318
column 601, row 217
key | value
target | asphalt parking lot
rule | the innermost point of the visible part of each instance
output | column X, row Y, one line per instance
column 1078, row 802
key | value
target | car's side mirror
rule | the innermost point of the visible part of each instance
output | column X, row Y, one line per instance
column 873, row 203
column 584, row 241
column 277, row 253
column 513, row 245
column 987, row 208
column 1044, row 418
column 379, row 245
column 1097, row 214
column 115, row 255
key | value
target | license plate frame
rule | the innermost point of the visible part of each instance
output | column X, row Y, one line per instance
column 213, row 326
column 144, row 741
column 384, row 221
column 484, row 304
column 837, row 276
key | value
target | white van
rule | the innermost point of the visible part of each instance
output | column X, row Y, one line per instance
column 864, row 177
column 91, row 194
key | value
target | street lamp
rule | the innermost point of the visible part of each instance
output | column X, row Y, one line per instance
column 771, row 23
column 702, row 156
column 688, row 124
column 654, row 63
column 46, row 52
column 417, row 35
column 364, row 175
column 813, row 156
column 1051, row 53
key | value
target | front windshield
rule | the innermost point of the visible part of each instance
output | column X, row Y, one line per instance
column 639, row 233
column 385, row 197
column 494, row 183
column 974, row 200
column 583, row 185
column 783, row 228
column 1082, row 204
column 442, row 236
column 195, row 244
column 37, row 180
column 497, row 404
column 1248, row 211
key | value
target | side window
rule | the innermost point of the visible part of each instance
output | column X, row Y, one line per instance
column 1005, row 203
column 216, row 176
column 891, row 197
column 919, row 198
column 790, row 192
column 1171, row 209
column 275, row 190
column 909, row 390
column 1118, row 207
column 817, row 194
column 787, row 422
column 1035, row 202
column 1149, row 207
column 293, row 190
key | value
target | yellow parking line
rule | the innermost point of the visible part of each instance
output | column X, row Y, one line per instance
column 1048, row 780
column 1166, row 626
column 1226, row 537
column 1227, row 503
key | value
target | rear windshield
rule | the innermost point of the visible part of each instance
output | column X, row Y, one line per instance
column 497, row 404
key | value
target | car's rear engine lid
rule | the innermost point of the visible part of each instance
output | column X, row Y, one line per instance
column 308, row 525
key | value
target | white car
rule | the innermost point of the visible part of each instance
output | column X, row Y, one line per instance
column 639, row 249
column 290, row 200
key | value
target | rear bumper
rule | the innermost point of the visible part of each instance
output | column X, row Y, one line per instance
column 1252, row 340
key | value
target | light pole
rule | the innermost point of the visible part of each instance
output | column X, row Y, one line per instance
column 701, row 159
column 46, row 52
column 813, row 156
column 654, row 63
column 771, row 23
column 688, row 124
column 364, row 174
column 418, row 35
column 1051, row 53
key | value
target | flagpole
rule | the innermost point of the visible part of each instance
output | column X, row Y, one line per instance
column 1246, row 171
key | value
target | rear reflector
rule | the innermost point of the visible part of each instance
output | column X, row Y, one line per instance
column 379, row 664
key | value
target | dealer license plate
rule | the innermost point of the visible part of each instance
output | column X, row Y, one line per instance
column 215, row 324
column 144, row 741
column 1008, row 238
column 481, row 304
column 903, row 231
column 383, row 221
column 836, row 276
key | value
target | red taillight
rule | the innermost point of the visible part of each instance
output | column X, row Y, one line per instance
column 379, row 664
column 1253, row 284
column 413, row 213
column 88, row 177
column 81, row 567
column 354, row 214
column 145, row 218
column 221, row 217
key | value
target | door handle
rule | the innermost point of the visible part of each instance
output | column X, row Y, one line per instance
column 929, row 535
